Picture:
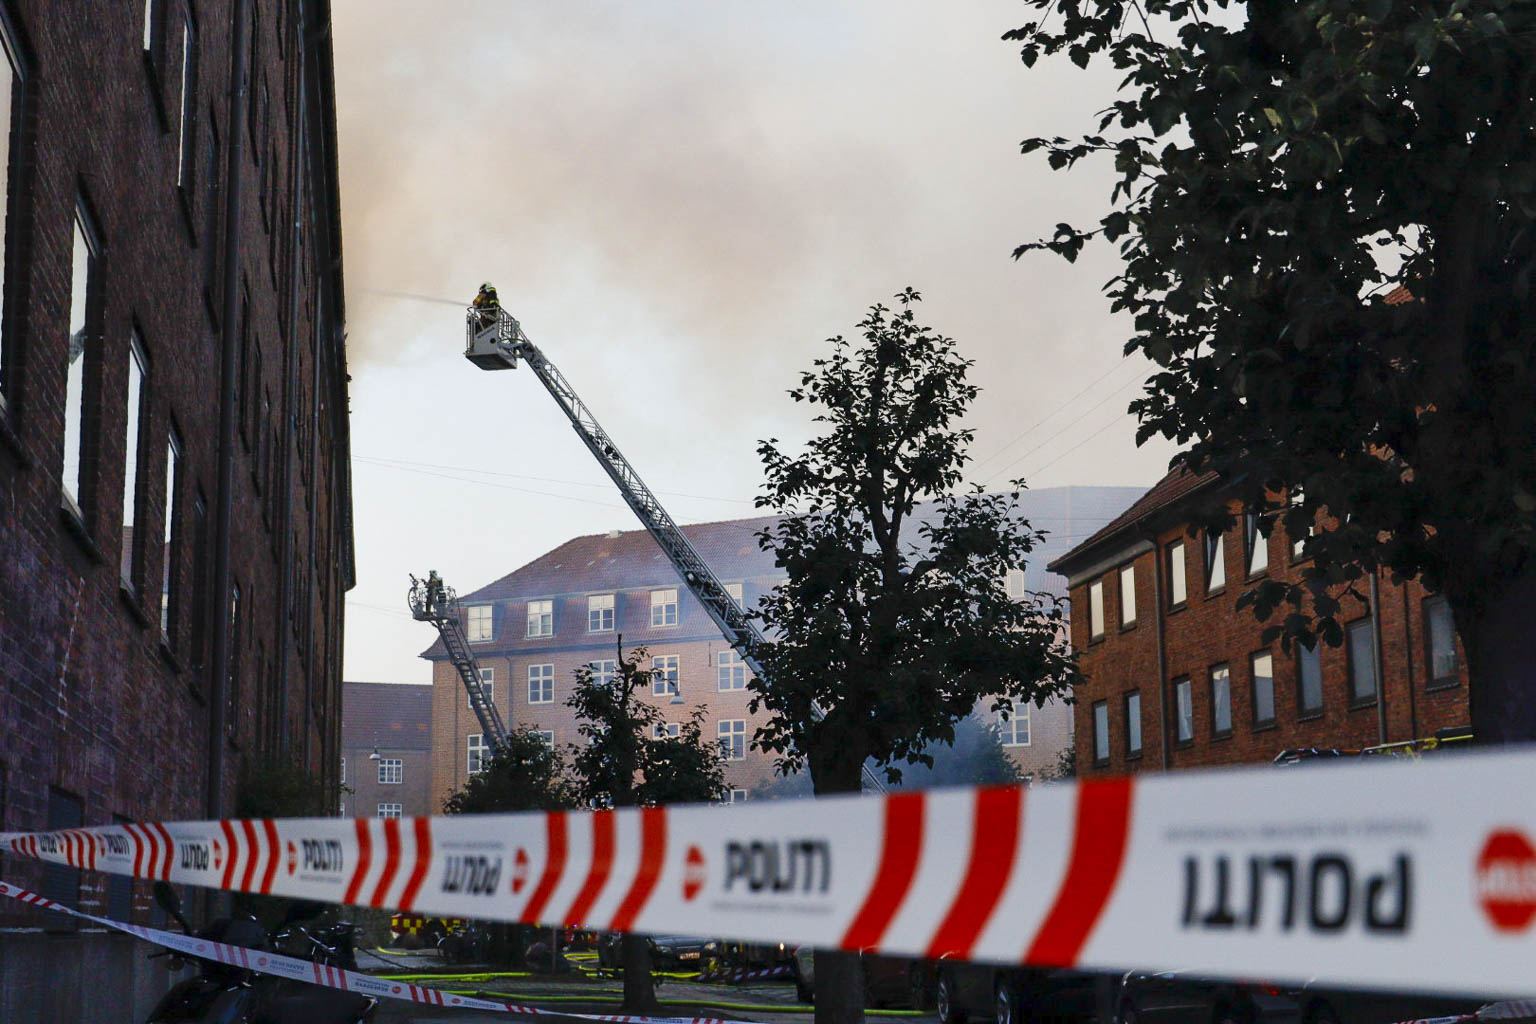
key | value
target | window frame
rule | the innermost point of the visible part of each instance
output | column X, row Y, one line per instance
column 604, row 676
column 1183, row 711
column 1253, row 690
column 1351, row 630
column 1225, row 669
column 670, row 675
column 487, row 685
column 11, row 187
column 78, row 390
column 728, row 667
column 1255, row 543
column 1178, row 575
column 1215, row 549
column 389, row 809
column 659, row 614
column 1096, row 610
column 471, row 632
column 170, row 589
column 732, row 733
column 545, row 678
column 1133, row 718
column 666, row 731
column 476, row 753
column 1099, row 718
column 595, row 607
column 1008, row 729
column 391, row 771
column 1304, row 711
column 539, row 619
column 1432, row 679
column 1127, row 595
column 135, row 439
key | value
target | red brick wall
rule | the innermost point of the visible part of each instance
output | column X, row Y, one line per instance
column 1209, row 630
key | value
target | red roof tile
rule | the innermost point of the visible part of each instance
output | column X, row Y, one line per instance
column 1178, row 484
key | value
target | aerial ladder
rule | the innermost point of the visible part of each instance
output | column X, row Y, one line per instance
column 495, row 341
column 432, row 601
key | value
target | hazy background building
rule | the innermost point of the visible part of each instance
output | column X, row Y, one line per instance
column 386, row 744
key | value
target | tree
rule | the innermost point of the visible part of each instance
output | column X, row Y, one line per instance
column 526, row 774
column 893, row 627
column 625, row 762
column 1325, row 213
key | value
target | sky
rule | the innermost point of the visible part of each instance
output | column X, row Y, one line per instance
column 681, row 202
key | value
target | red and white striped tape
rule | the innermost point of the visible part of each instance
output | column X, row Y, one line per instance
column 1410, row 877
column 265, row 962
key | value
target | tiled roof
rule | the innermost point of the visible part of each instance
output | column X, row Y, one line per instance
column 1178, row 484
column 397, row 715
column 631, row 559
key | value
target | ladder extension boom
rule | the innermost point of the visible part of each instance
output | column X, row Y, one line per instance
column 431, row 601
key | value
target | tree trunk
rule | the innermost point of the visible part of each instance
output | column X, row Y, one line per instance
column 1501, row 659
column 839, row 975
column 639, row 985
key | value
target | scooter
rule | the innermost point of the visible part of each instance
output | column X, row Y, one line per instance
column 224, row 994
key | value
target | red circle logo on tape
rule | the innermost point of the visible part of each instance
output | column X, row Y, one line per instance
column 1506, row 880
column 293, row 856
column 694, row 872
column 218, row 855
column 519, row 871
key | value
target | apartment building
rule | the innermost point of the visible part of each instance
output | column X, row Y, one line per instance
column 1177, row 676
column 176, row 519
column 386, row 750
column 532, row 629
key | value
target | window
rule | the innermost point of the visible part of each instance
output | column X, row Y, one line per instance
column 730, row 671
column 10, row 107
column 547, row 735
column 664, row 607
column 1215, row 562
column 1362, row 664
column 1440, row 634
column 734, row 589
column 1133, row 724
column 599, row 613
column 1299, row 540
column 1013, row 584
column 1262, row 667
column 132, row 451
column 1177, row 590
column 83, row 283
column 1100, row 731
column 738, row 796
column 389, row 810
column 61, row 883
column 605, row 672
column 1184, row 710
column 1221, row 701
column 479, row 753
column 480, row 628
column 343, row 771
column 1256, row 531
column 152, row 9
column 391, row 771
column 232, row 687
column 1013, row 728
column 667, row 731
column 664, row 675
column 168, row 551
column 487, row 684
column 1309, row 681
column 541, row 684
column 1096, row 609
column 185, row 106
column 1128, row 596
column 733, row 739
column 541, row 618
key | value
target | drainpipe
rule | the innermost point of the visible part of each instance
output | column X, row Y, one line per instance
column 229, row 359
column 1376, row 659
column 1162, row 647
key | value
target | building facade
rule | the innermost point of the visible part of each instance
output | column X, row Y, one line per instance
column 534, row 628
column 1177, row 676
column 176, row 513
column 386, row 750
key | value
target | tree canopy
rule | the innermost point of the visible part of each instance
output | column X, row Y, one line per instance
column 1324, row 210
column 527, row 774
column 890, row 628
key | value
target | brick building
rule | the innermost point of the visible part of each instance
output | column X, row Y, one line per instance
column 1176, row 676
column 176, row 514
column 386, row 748
column 532, row 629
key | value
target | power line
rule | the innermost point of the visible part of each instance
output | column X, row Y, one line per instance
column 1046, row 418
column 1069, row 425
column 1112, row 423
column 393, row 463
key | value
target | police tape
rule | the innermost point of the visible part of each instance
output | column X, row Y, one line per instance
column 263, row 961
column 1412, row 877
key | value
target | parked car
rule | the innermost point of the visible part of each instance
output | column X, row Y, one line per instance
column 668, row 952
column 888, row 980
column 1011, row 995
column 1180, row 997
